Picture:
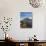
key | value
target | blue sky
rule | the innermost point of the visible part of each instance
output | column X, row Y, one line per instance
column 25, row 14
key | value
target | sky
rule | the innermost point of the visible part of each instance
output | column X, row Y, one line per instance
column 25, row 14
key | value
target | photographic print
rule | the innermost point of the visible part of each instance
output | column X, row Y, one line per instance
column 26, row 19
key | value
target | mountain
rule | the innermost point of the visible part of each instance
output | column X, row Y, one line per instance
column 28, row 22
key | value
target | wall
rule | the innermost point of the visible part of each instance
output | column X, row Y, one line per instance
column 12, row 8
